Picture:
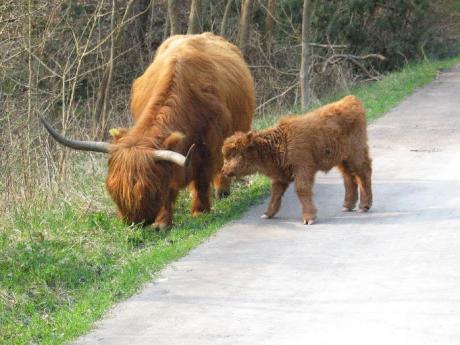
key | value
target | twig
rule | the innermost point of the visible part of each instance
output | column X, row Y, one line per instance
column 322, row 45
column 12, row 20
column 277, row 96
column 354, row 59
column 275, row 69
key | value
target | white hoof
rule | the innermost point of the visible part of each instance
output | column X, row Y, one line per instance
column 309, row 222
column 363, row 210
column 347, row 209
column 264, row 216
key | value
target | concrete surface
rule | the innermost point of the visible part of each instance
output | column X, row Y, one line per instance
column 391, row 276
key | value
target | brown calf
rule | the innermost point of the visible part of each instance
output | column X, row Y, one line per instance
column 298, row 146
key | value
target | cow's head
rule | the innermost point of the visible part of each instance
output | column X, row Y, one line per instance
column 139, row 177
column 240, row 155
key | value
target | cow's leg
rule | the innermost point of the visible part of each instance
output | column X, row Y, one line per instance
column 222, row 185
column 351, row 187
column 201, row 202
column 164, row 217
column 201, row 180
column 363, row 170
column 278, row 189
column 304, row 180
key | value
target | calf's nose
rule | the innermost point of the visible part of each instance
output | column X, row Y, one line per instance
column 226, row 173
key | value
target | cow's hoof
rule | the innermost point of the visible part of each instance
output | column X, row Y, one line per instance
column 308, row 222
column 200, row 211
column 347, row 209
column 264, row 216
column 161, row 226
column 363, row 209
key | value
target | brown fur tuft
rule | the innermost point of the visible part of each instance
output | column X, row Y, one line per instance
column 132, row 183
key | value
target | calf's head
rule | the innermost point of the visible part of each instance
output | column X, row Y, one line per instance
column 139, row 177
column 240, row 155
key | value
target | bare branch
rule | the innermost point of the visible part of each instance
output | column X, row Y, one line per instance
column 277, row 96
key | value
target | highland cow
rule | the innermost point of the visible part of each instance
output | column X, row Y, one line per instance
column 197, row 92
column 297, row 147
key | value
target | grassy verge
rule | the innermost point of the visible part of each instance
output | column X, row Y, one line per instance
column 63, row 265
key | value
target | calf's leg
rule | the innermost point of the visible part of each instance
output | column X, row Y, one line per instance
column 351, row 187
column 365, row 185
column 278, row 189
column 363, row 172
column 304, row 180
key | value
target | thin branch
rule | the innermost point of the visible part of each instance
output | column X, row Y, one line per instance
column 12, row 20
column 277, row 96
column 118, row 27
column 42, row 63
column 275, row 69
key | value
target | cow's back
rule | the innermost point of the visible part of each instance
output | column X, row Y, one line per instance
column 197, row 62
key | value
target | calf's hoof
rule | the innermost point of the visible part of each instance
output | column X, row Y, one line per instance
column 347, row 209
column 222, row 194
column 363, row 209
column 265, row 216
column 308, row 222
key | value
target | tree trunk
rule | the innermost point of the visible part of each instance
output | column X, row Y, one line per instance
column 140, row 24
column 173, row 14
column 103, row 95
column 223, row 25
column 166, row 27
column 245, row 26
column 305, row 63
column 269, row 21
column 194, row 18
column 102, row 101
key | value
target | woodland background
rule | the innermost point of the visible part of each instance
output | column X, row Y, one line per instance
column 74, row 62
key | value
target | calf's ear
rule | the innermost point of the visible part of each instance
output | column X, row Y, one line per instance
column 250, row 145
column 174, row 141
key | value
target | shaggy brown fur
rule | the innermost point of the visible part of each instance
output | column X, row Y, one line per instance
column 198, row 90
column 298, row 146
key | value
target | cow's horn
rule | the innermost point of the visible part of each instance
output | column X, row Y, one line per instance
column 174, row 157
column 96, row 146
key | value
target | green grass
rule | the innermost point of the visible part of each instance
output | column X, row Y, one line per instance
column 383, row 95
column 71, row 265
column 62, row 265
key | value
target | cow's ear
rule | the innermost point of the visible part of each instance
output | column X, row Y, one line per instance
column 174, row 141
column 117, row 134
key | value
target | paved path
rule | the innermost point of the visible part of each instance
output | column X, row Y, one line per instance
column 390, row 277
